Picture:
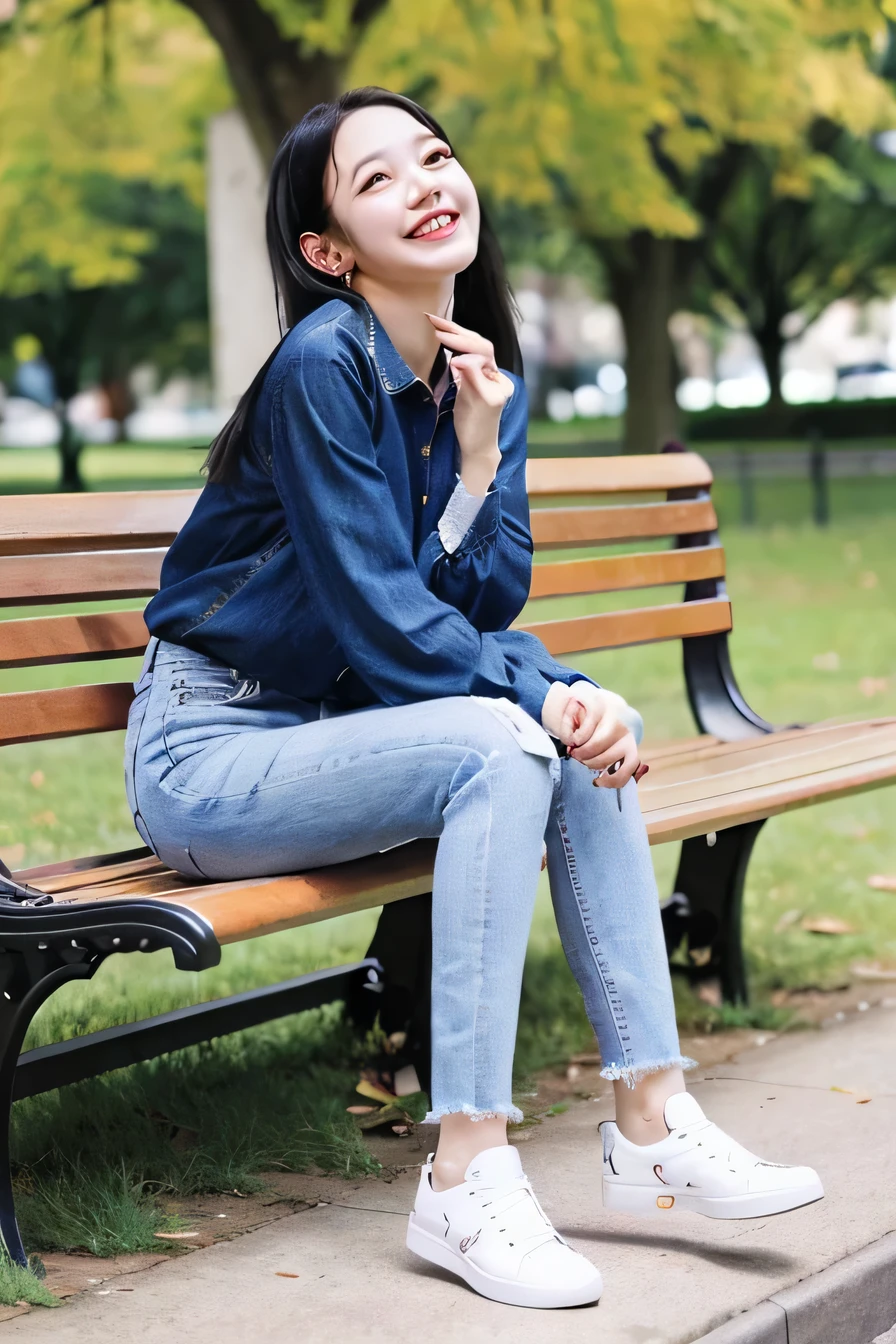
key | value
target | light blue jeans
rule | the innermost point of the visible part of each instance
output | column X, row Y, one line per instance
column 228, row 780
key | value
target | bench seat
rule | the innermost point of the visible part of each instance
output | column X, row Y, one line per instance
column 694, row 786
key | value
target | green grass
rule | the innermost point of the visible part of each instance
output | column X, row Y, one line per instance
column 24, row 1285
column 95, row 1162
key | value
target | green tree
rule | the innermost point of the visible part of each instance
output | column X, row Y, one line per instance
column 788, row 242
column 101, row 190
column 99, row 333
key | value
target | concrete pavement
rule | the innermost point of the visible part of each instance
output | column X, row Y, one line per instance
column 824, row 1274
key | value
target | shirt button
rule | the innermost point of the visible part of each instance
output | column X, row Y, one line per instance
column 425, row 450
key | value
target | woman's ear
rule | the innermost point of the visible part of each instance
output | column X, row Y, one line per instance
column 324, row 255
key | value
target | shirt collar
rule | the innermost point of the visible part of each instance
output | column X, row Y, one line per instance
column 395, row 373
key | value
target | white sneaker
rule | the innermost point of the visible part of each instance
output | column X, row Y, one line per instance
column 492, row 1231
column 698, row 1168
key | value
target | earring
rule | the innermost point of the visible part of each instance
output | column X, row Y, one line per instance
column 347, row 279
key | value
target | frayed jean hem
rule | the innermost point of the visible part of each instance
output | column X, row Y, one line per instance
column 512, row 1113
column 632, row 1074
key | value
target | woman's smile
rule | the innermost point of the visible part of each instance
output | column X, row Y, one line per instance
column 440, row 231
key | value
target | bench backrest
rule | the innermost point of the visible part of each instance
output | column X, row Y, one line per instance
column 98, row 546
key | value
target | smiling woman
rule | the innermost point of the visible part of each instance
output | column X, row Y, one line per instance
column 332, row 673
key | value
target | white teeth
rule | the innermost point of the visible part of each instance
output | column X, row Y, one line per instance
column 431, row 224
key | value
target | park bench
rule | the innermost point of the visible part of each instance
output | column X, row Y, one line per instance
column 711, row 792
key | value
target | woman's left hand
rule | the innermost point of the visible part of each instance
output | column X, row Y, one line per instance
column 482, row 390
column 597, row 737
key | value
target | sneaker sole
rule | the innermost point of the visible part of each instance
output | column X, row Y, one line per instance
column 430, row 1248
column 646, row 1200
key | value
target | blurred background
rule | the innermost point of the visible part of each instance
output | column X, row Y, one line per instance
column 697, row 203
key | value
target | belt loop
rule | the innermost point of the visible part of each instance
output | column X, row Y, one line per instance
column 149, row 659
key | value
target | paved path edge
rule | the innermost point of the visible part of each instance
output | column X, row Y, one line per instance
column 849, row 1302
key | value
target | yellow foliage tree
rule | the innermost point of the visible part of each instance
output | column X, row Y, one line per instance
column 122, row 97
column 625, row 120
column 102, row 127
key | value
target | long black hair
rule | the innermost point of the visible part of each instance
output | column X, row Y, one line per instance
column 482, row 297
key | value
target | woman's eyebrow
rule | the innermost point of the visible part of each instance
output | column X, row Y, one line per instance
column 381, row 153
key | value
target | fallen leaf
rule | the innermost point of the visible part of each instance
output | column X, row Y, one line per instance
column 826, row 924
column 389, row 1114
column 883, row 882
column 863, row 1101
column 842, row 1089
column 869, row 686
column 406, row 1082
column 37, row 779
column 826, row 662
column 873, row 970
column 174, row 1236
column 710, row 991
column 375, row 1093
column 282, row 1274
column 43, row 819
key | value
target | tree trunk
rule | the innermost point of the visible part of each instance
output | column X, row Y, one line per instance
column 643, row 287
column 70, row 445
column 771, row 346
column 274, row 84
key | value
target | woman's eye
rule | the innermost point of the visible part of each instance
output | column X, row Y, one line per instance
column 446, row 154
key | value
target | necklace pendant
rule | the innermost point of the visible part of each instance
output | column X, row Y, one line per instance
column 425, row 498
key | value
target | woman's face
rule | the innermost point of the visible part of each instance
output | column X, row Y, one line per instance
column 391, row 171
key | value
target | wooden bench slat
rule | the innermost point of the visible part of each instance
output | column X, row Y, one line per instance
column 613, row 573
column 783, row 757
column 769, row 800
column 84, row 575
column 249, row 908
column 646, row 625
column 34, row 716
column 40, row 524
column 594, row 525
column 616, row 475
column 68, row 639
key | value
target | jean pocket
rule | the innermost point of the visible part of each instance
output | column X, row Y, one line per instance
column 196, row 711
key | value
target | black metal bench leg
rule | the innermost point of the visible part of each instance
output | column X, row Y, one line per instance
column 402, row 944
column 27, row 979
column 706, row 907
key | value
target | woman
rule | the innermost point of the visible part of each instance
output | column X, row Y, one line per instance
column 330, row 674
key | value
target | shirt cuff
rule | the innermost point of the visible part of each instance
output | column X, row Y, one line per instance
column 458, row 514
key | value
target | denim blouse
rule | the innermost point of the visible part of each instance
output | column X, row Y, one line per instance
column 320, row 571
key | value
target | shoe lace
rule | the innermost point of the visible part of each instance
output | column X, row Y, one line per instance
column 718, row 1144
column 513, row 1210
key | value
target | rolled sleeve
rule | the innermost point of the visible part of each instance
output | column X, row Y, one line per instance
column 487, row 576
column 457, row 516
